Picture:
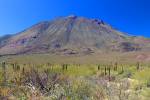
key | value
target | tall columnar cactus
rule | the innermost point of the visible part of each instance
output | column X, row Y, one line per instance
column 122, row 69
column 105, row 70
column 98, row 67
column 4, row 73
column 65, row 66
column 138, row 66
column 18, row 67
column 14, row 66
column 116, row 66
column 109, row 72
column 23, row 71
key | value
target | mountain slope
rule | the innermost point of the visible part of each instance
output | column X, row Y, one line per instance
column 71, row 35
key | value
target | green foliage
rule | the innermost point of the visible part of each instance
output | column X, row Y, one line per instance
column 142, row 75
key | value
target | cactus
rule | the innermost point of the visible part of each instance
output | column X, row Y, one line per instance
column 4, row 73
column 109, row 72
column 98, row 67
column 105, row 70
column 15, row 67
column 122, row 69
column 116, row 66
column 65, row 66
column 23, row 71
column 138, row 66
column 18, row 67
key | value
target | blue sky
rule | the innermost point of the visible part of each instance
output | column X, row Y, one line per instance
column 131, row 16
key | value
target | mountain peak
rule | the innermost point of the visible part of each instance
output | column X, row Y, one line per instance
column 72, row 16
column 71, row 35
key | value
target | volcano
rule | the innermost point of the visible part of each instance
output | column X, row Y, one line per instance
column 71, row 35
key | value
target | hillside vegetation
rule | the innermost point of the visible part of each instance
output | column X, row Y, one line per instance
column 113, row 81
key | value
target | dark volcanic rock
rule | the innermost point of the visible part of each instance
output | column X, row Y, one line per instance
column 127, row 46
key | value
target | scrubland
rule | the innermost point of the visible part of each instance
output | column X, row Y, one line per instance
column 48, row 81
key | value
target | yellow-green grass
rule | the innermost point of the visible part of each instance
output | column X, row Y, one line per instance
column 142, row 75
column 96, row 58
